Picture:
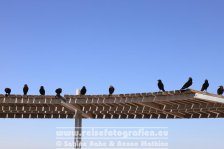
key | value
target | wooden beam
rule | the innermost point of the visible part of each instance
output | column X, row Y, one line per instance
column 75, row 109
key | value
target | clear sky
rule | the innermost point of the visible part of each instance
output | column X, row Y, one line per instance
column 129, row 44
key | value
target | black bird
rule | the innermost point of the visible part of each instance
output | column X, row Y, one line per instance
column 187, row 84
column 83, row 90
column 161, row 86
column 58, row 92
column 220, row 90
column 42, row 90
column 111, row 90
column 25, row 89
column 205, row 86
column 7, row 91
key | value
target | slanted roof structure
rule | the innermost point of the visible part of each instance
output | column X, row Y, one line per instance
column 157, row 105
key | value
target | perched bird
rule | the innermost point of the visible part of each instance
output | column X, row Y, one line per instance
column 187, row 84
column 220, row 90
column 25, row 89
column 42, row 90
column 111, row 90
column 205, row 86
column 161, row 86
column 7, row 91
column 58, row 92
column 83, row 90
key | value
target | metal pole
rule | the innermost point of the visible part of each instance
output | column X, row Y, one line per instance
column 78, row 132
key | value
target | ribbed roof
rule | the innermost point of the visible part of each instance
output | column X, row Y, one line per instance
column 171, row 104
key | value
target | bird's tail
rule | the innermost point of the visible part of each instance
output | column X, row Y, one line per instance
column 58, row 95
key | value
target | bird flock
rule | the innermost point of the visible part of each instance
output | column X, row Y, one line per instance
column 58, row 91
column 204, row 87
column 111, row 89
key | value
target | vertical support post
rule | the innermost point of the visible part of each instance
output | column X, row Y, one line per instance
column 78, row 132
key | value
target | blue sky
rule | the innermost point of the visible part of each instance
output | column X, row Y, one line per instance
column 129, row 44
